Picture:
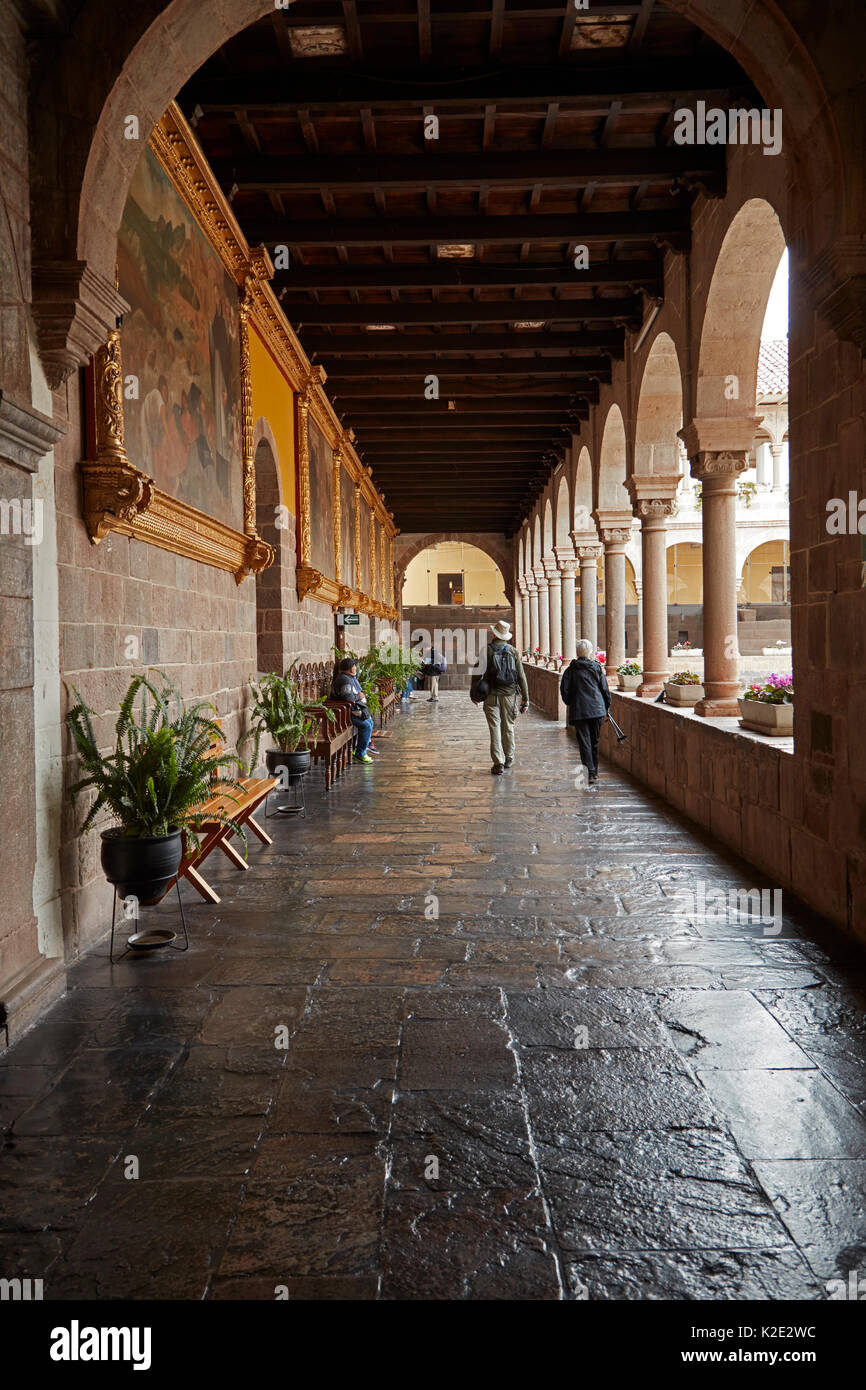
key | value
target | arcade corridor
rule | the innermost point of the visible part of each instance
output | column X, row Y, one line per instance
column 704, row 1138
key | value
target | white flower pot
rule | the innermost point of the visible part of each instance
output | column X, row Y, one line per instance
column 629, row 682
column 763, row 718
column 683, row 694
column 689, row 651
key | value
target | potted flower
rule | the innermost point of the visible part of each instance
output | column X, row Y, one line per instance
column 154, row 782
column 768, row 707
column 679, row 647
column 629, row 675
column 683, row 688
column 276, row 712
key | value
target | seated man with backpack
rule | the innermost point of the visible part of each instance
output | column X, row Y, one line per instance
column 346, row 687
column 503, row 689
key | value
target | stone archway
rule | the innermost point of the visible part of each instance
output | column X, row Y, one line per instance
column 270, row 643
column 407, row 547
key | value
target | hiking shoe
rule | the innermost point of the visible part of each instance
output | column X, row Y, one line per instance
column 362, row 758
column 497, row 770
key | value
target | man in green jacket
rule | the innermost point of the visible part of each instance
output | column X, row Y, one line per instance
column 508, row 692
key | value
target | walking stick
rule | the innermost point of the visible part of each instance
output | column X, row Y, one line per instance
column 621, row 736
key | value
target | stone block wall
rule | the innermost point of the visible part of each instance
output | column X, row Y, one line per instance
column 471, row 633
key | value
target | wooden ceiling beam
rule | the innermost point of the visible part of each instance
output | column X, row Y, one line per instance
column 355, row 370
column 666, row 80
column 333, row 345
column 623, row 308
column 670, row 227
column 469, row 275
column 558, row 168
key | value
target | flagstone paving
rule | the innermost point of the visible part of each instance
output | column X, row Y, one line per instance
column 452, row 1036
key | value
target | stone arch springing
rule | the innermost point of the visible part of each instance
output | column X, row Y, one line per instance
column 657, row 449
column 730, row 344
column 583, row 493
column 611, row 493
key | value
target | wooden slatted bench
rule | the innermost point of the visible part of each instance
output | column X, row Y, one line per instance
column 237, row 803
column 333, row 744
column 390, row 701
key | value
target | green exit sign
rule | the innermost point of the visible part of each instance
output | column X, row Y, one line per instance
column 351, row 619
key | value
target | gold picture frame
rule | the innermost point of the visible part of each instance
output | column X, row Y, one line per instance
column 120, row 497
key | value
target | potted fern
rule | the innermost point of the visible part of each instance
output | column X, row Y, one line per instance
column 278, row 714
column 154, row 783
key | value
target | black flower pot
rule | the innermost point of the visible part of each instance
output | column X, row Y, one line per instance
column 141, row 867
column 294, row 763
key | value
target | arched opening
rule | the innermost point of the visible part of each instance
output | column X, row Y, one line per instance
column 563, row 515
column 583, row 493
column 743, row 278
column 454, row 574
column 612, row 495
column 270, row 646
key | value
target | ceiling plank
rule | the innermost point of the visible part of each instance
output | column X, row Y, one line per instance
column 586, row 343
column 470, row 275
column 344, row 370
column 539, row 227
column 623, row 307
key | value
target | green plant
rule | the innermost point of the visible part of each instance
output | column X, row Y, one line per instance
column 629, row 668
column 276, row 710
column 775, row 690
column 685, row 678
column 745, row 492
column 162, row 766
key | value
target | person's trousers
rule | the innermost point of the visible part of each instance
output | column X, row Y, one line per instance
column 363, row 732
column 500, row 711
column 434, row 686
column 587, row 731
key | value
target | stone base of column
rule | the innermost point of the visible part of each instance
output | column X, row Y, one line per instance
column 720, row 701
column 651, row 684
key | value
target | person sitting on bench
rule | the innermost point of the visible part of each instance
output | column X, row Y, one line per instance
column 346, row 687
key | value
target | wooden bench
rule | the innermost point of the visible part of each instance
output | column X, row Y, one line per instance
column 238, row 804
column 334, row 740
column 390, row 700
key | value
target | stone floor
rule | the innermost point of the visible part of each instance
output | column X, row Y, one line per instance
column 563, row 1085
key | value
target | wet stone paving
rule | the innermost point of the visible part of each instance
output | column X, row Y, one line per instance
column 451, row 1037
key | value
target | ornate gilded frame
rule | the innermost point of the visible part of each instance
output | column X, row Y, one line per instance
column 118, row 496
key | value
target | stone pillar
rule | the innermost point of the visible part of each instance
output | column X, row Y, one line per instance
column 543, row 611
column 719, row 453
column 588, row 556
column 554, row 601
column 533, row 615
column 653, row 500
column 518, row 615
column 777, row 450
column 638, row 588
column 524, row 609
column 615, row 531
column 569, row 608
column 763, row 475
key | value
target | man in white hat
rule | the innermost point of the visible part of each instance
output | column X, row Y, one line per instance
column 505, row 691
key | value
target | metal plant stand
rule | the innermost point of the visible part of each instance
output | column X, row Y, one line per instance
column 298, row 805
column 148, row 940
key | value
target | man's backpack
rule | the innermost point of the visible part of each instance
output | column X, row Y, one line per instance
column 503, row 667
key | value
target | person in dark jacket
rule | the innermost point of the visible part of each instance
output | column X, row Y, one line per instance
column 347, row 687
column 584, row 689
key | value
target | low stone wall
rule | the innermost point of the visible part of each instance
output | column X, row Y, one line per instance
column 748, row 792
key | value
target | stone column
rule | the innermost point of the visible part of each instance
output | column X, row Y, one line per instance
column 719, row 453
column 615, row 531
column 518, row 614
column 653, row 501
column 638, row 588
column 588, row 556
column 524, row 609
column 568, row 565
column 543, row 611
column 776, row 450
column 554, row 600
column 533, row 615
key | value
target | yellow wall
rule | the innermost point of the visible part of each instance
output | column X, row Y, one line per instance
column 685, row 573
column 274, row 398
column 483, row 583
column 757, row 579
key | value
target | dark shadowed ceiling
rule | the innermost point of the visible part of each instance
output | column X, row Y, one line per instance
column 454, row 257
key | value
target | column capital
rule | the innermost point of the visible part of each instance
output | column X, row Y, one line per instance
column 551, row 570
column 589, row 554
column 614, row 525
column 521, row 584
column 653, row 495
column 540, row 576
column 568, row 565
column 719, row 435
column 727, row 463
